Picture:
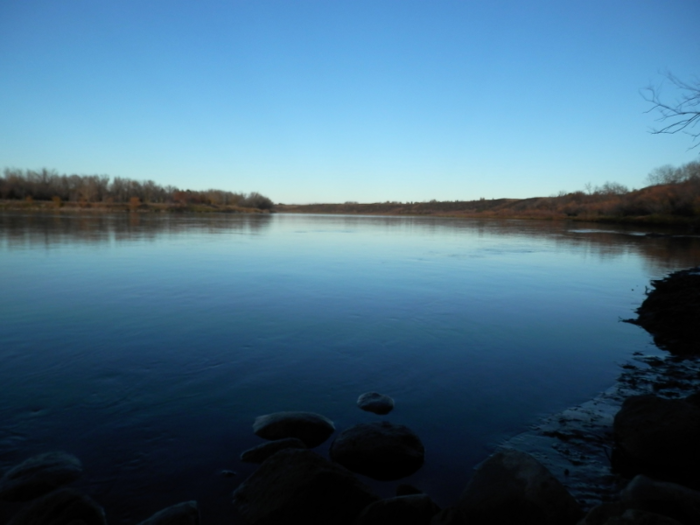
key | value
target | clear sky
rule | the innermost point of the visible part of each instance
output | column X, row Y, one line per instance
column 345, row 100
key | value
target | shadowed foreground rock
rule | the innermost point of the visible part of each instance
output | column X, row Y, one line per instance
column 61, row 507
column 299, row 486
column 39, row 475
column 417, row 509
column 669, row 499
column 376, row 403
column 185, row 513
column 262, row 452
column 512, row 487
column 658, row 436
column 313, row 429
column 381, row 450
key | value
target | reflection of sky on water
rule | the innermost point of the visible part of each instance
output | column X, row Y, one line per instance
column 130, row 339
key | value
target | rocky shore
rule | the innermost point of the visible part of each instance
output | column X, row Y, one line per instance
column 630, row 456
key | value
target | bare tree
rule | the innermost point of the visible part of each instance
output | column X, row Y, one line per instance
column 681, row 114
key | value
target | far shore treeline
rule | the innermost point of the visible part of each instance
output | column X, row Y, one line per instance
column 101, row 191
column 671, row 197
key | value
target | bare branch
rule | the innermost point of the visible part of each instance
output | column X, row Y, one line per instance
column 683, row 114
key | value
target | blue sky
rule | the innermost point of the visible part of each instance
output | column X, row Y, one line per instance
column 334, row 100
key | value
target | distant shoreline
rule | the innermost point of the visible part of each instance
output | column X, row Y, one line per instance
column 499, row 210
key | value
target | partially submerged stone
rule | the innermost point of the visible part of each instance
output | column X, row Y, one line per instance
column 658, row 436
column 381, row 450
column 61, row 507
column 513, row 487
column 39, row 475
column 416, row 509
column 262, row 452
column 185, row 513
column 311, row 428
column 299, row 486
column 376, row 403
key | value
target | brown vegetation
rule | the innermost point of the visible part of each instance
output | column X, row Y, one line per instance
column 46, row 188
column 673, row 196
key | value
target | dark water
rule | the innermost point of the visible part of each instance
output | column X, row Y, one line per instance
column 146, row 345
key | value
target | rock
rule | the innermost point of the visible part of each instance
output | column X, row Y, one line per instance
column 658, row 436
column 299, row 486
column 313, row 429
column 374, row 402
column 641, row 517
column 513, row 487
column 449, row 516
column 417, row 509
column 668, row 499
column 39, row 475
column 185, row 513
column 262, row 452
column 381, row 450
column 404, row 489
column 61, row 507
column 601, row 514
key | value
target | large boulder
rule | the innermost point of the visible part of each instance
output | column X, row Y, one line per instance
column 381, row 450
column 39, row 475
column 658, row 436
column 417, row 509
column 262, row 452
column 668, row 499
column 313, row 429
column 61, row 507
column 185, row 513
column 513, row 487
column 376, row 403
column 299, row 486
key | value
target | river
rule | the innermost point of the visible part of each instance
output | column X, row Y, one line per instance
column 146, row 344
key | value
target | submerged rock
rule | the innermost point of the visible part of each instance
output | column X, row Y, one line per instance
column 185, row 513
column 61, row 507
column 299, row 486
column 376, row 403
column 513, row 487
column 262, row 452
column 417, row 509
column 39, row 475
column 659, row 436
column 311, row 428
column 382, row 450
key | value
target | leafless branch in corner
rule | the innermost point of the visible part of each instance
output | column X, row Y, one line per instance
column 682, row 114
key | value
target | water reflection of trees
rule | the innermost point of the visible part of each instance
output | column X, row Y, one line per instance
column 18, row 230
column 659, row 248
column 661, row 253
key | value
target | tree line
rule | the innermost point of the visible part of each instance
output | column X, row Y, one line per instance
column 673, row 193
column 47, row 185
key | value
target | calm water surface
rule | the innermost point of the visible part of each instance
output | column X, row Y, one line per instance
column 146, row 345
